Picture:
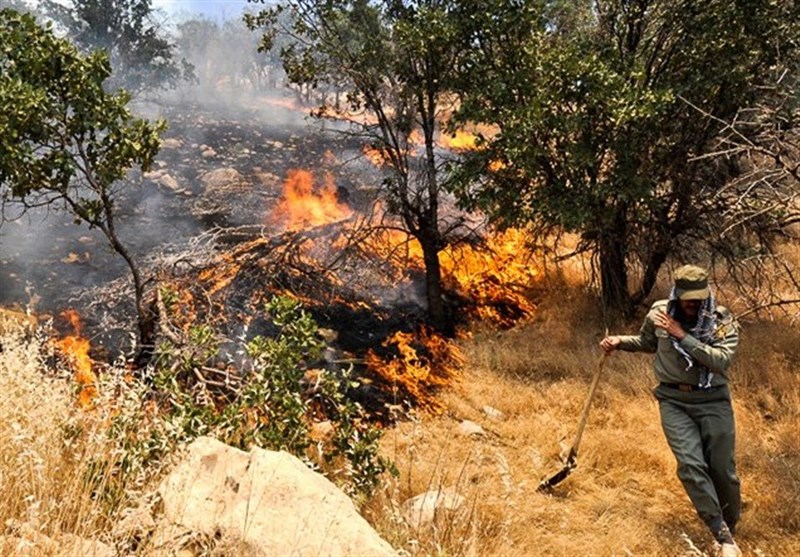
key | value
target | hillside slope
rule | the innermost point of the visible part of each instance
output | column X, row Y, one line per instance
column 525, row 387
column 624, row 498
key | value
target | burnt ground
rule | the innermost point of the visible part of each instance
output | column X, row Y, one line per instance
column 49, row 263
column 201, row 217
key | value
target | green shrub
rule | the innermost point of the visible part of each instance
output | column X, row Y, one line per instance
column 272, row 402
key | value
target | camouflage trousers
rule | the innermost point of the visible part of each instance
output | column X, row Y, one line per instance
column 699, row 427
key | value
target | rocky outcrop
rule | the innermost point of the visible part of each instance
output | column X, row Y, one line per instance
column 222, row 180
column 269, row 501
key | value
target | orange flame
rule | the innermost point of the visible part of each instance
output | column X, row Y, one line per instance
column 497, row 165
column 461, row 140
column 76, row 350
column 227, row 269
column 493, row 276
column 399, row 248
column 424, row 362
column 303, row 205
column 375, row 156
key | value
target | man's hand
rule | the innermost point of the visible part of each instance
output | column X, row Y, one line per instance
column 663, row 321
column 609, row 344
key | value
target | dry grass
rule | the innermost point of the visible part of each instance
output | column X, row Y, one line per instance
column 624, row 497
column 59, row 474
column 42, row 453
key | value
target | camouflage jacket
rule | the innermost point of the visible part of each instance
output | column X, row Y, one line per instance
column 670, row 365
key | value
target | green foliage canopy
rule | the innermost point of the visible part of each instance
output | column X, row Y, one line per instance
column 607, row 111
column 62, row 136
column 64, row 140
column 141, row 54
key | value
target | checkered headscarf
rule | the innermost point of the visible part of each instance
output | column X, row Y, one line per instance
column 704, row 330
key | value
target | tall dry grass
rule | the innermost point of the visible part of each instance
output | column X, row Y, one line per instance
column 59, row 473
column 624, row 498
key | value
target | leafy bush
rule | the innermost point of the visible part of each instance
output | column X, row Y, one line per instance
column 272, row 400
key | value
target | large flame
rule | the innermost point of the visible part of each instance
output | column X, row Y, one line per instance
column 305, row 205
column 76, row 349
column 421, row 362
column 493, row 276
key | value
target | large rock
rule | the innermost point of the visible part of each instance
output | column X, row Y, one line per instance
column 224, row 196
column 222, row 180
column 270, row 501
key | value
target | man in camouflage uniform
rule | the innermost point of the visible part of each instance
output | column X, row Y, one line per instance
column 694, row 340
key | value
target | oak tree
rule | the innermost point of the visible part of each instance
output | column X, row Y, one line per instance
column 391, row 61
column 65, row 141
column 607, row 111
column 142, row 55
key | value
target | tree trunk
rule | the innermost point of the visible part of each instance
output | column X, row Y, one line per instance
column 613, row 268
column 437, row 308
column 146, row 317
column 655, row 260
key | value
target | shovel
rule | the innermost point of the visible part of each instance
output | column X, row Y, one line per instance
column 572, row 457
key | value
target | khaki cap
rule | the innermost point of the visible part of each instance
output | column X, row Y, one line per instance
column 691, row 283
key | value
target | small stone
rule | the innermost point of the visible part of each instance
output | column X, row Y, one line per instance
column 424, row 508
column 169, row 182
column 494, row 413
column 468, row 428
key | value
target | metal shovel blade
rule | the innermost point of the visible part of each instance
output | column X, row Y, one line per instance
column 560, row 476
column 572, row 458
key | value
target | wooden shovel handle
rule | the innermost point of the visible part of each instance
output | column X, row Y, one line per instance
column 587, row 405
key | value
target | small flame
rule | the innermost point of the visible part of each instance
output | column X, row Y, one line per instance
column 497, row 165
column 74, row 319
column 399, row 248
column 461, row 140
column 303, row 205
column 375, row 156
column 76, row 349
column 221, row 275
column 424, row 361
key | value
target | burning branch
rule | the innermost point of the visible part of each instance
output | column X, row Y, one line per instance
column 416, row 365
